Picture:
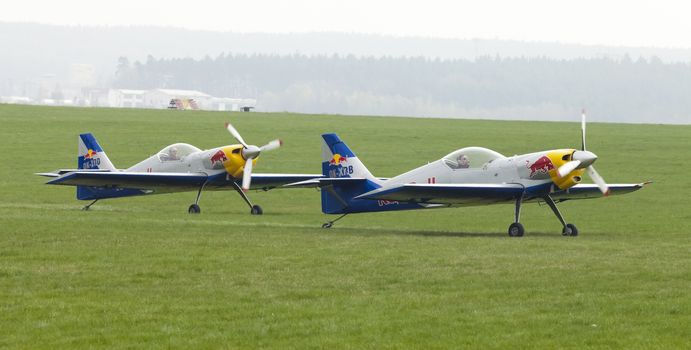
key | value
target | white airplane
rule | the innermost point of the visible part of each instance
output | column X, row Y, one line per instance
column 176, row 168
column 467, row 177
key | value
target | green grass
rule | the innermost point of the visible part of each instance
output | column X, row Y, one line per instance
column 142, row 273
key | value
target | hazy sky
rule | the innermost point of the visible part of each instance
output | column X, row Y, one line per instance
column 660, row 23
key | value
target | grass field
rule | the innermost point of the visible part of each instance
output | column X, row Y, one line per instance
column 142, row 273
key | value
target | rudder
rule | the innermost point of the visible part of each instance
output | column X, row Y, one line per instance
column 91, row 156
column 338, row 161
column 350, row 178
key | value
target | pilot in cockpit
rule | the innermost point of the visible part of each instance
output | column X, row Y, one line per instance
column 172, row 154
column 463, row 161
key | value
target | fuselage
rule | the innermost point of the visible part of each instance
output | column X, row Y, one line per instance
column 185, row 158
column 476, row 165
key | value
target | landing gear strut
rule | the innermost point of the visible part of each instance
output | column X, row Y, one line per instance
column 194, row 208
column 516, row 229
column 254, row 209
column 569, row 229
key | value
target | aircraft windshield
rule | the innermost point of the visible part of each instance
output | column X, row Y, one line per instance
column 470, row 157
column 177, row 151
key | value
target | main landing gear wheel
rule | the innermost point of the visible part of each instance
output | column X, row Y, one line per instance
column 516, row 230
column 194, row 209
column 569, row 230
column 327, row 225
column 256, row 210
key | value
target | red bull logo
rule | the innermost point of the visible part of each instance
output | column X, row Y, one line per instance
column 218, row 157
column 337, row 159
column 541, row 166
column 90, row 161
column 90, row 154
column 338, row 166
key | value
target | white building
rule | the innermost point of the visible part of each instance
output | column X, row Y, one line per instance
column 232, row 104
column 22, row 100
column 126, row 98
column 160, row 98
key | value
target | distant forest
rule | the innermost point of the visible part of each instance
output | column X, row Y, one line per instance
column 351, row 73
column 640, row 90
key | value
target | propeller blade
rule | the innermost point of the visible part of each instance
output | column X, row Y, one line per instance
column 583, row 130
column 568, row 167
column 235, row 134
column 271, row 145
column 599, row 181
column 247, row 175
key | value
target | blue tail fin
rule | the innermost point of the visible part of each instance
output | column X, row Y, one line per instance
column 338, row 161
column 91, row 156
column 350, row 178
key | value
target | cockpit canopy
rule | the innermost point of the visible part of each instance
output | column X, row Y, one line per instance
column 470, row 157
column 176, row 152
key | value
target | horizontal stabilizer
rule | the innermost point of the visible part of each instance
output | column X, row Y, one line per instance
column 325, row 181
column 53, row 174
column 269, row 181
column 60, row 172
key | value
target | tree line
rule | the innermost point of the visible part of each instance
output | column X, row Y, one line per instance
column 624, row 89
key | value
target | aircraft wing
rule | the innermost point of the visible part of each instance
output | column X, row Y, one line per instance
column 165, row 181
column 588, row 191
column 460, row 194
column 447, row 193
column 162, row 182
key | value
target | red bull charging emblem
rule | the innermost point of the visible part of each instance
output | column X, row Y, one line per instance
column 91, row 160
column 338, row 159
column 541, row 166
column 338, row 166
column 218, row 158
column 90, row 154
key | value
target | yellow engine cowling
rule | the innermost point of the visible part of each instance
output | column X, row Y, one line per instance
column 559, row 158
column 569, row 180
column 235, row 162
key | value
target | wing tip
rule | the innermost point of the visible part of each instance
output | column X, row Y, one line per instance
column 48, row 174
